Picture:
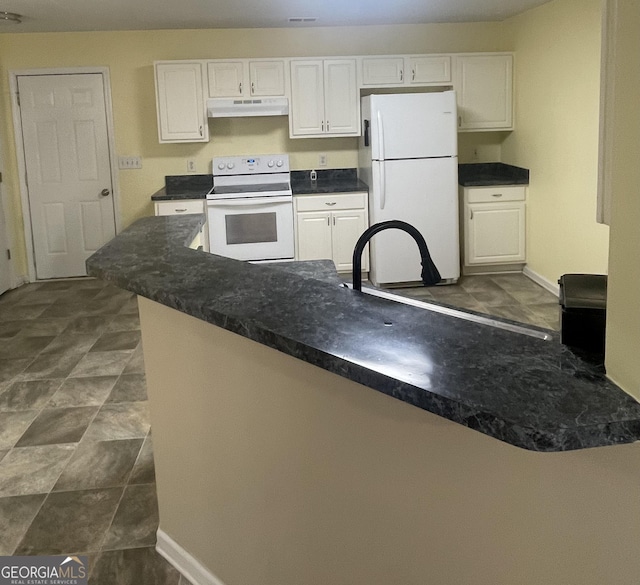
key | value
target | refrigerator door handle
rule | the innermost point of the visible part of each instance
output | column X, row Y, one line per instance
column 383, row 186
column 366, row 133
column 380, row 136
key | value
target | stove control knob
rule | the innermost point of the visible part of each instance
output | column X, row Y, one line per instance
column 270, row 164
column 279, row 163
column 230, row 165
column 221, row 166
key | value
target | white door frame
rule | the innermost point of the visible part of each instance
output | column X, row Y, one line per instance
column 17, row 124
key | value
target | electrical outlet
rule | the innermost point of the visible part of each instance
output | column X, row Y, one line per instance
column 129, row 162
column 191, row 165
column 322, row 160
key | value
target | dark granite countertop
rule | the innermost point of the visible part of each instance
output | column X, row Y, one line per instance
column 495, row 173
column 178, row 187
column 327, row 181
column 525, row 391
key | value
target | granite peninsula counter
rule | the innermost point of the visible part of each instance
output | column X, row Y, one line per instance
column 528, row 392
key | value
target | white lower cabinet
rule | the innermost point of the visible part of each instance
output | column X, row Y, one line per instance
column 494, row 225
column 185, row 207
column 328, row 227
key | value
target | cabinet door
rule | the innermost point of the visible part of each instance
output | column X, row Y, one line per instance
column 226, row 78
column 348, row 226
column 341, row 97
column 430, row 69
column 180, row 103
column 381, row 71
column 307, row 98
column 495, row 233
column 484, row 85
column 267, row 77
column 313, row 236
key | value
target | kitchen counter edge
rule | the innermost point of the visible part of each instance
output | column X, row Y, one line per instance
column 151, row 259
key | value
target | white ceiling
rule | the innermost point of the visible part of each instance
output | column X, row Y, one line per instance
column 88, row 15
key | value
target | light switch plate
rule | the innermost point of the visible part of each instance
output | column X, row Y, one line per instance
column 129, row 162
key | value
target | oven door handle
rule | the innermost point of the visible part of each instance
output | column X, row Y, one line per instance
column 248, row 201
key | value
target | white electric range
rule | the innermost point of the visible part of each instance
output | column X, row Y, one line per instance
column 250, row 208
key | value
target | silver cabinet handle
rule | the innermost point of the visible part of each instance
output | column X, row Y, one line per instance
column 327, row 125
column 471, row 214
column 105, row 193
column 401, row 75
column 253, row 88
column 413, row 75
column 323, row 125
column 240, row 87
column 330, row 202
column 180, row 210
column 200, row 130
column 329, row 220
column 334, row 220
column 497, row 195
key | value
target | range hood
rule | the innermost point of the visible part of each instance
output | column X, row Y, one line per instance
column 233, row 108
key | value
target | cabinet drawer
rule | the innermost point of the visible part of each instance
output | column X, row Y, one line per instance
column 495, row 193
column 331, row 202
column 179, row 207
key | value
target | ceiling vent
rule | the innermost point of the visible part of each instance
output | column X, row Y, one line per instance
column 302, row 19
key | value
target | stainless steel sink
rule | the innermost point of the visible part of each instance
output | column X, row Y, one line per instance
column 459, row 314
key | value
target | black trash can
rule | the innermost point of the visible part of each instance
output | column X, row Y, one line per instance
column 583, row 302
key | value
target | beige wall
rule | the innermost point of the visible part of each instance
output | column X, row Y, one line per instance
column 557, row 95
column 130, row 55
column 623, row 308
column 271, row 471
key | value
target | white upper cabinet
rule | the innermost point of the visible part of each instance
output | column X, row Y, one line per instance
column 400, row 70
column 429, row 69
column 226, row 78
column 381, row 71
column 266, row 78
column 246, row 78
column 180, row 102
column 484, row 85
column 324, row 98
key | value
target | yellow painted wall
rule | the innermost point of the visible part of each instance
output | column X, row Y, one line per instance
column 623, row 303
column 130, row 55
column 557, row 110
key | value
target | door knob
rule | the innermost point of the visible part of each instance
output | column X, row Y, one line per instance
column 105, row 193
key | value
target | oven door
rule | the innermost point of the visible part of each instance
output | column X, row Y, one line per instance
column 258, row 228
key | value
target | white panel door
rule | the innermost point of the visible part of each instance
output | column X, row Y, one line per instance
column 415, row 125
column 267, row 77
column 341, row 97
column 5, row 264
column 422, row 192
column 226, row 78
column 66, row 148
column 313, row 236
column 307, row 98
column 181, row 108
column 484, row 86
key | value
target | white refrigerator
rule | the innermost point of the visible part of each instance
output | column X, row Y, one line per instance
column 408, row 156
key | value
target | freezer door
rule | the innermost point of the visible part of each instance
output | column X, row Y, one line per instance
column 424, row 193
column 414, row 125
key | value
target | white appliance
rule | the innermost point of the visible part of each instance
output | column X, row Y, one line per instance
column 250, row 208
column 408, row 156
column 233, row 108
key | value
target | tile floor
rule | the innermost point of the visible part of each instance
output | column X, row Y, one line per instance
column 76, row 462
column 511, row 296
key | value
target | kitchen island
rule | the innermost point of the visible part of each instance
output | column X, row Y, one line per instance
column 296, row 441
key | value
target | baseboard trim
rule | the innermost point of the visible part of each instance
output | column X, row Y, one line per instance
column 192, row 569
column 542, row 281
